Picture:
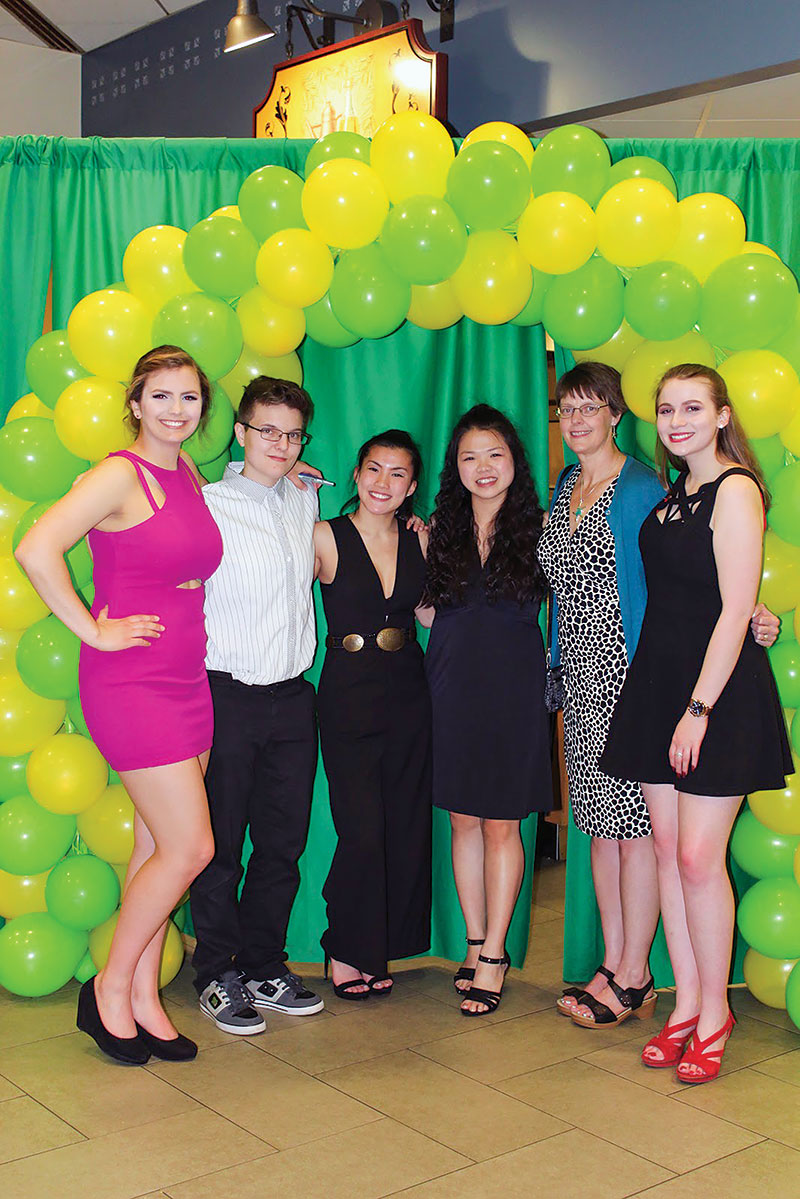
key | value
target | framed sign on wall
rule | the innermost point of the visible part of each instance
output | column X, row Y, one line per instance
column 354, row 85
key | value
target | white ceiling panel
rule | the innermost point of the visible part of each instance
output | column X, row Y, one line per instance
column 12, row 31
column 92, row 23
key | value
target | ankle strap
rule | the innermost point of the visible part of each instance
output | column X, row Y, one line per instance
column 475, row 940
column 492, row 961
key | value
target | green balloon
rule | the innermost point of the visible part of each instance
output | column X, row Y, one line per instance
column 51, row 366
column 424, row 240
column 662, row 300
column 220, row 256
column 214, row 470
column 534, row 309
column 571, row 159
column 78, row 559
column 769, row 917
column 784, row 513
column 31, row 838
column 47, row 658
column 640, row 166
column 38, row 955
column 82, row 891
column 337, row 145
column 323, row 327
column 13, row 780
column 584, row 308
column 759, row 851
column 488, row 186
column 366, row 295
column 205, row 326
column 784, row 658
column 771, row 454
column 646, row 439
column 793, row 995
column 206, row 444
column 747, row 301
column 75, row 714
column 270, row 200
column 33, row 462
column 788, row 344
column 86, row 969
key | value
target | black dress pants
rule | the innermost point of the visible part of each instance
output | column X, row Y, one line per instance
column 261, row 775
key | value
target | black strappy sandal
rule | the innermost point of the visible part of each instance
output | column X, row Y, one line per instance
column 465, row 973
column 381, row 978
column 579, row 994
column 636, row 1001
column 347, row 990
column 490, row 998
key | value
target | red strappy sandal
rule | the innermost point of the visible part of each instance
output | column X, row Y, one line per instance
column 707, row 1062
column 671, row 1041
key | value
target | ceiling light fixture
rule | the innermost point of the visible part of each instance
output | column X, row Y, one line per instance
column 246, row 28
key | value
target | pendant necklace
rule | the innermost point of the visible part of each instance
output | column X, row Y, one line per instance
column 580, row 511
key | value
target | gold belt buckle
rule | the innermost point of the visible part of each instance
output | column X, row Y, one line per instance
column 353, row 642
column 391, row 639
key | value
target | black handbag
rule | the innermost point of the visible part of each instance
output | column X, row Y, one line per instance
column 554, row 675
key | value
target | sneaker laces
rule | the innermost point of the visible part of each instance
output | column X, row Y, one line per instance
column 236, row 993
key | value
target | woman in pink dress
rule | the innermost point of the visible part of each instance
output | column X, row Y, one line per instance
column 143, row 685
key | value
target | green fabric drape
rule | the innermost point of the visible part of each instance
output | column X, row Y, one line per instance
column 80, row 201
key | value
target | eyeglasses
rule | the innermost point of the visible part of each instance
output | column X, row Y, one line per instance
column 587, row 410
column 271, row 433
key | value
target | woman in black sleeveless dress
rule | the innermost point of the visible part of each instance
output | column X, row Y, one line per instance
column 699, row 721
column 374, row 719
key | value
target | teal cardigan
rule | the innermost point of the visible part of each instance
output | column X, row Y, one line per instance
column 637, row 492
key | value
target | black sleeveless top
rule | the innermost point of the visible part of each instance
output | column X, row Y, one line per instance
column 364, row 690
column 745, row 747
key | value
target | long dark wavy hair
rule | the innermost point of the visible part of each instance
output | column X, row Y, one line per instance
column 512, row 567
column 392, row 439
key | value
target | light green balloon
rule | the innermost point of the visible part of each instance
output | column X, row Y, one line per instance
column 337, row 145
column 759, row 851
column 662, row 300
column 220, row 256
column 571, row 159
column 488, row 186
column 205, row 327
column 584, row 308
column 51, row 366
column 47, row 658
column 532, row 312
column 366, row 295
column 270, row 199
column 38, row 955
column 747, row 301
column 82, row 891
column 31, row 838
column 33, row 462
column 325, row 328
column 641, row 166
column 13, row 780
column 206, row 444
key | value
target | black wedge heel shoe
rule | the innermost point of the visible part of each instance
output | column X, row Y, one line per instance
column 130, row 1051
column 176, row 1049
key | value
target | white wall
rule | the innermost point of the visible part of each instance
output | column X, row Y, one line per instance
column 40, row 90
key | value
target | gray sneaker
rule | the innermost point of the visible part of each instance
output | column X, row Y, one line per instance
column 229, row 1004
column 283, row 994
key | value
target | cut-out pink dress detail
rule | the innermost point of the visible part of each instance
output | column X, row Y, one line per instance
column 151, row 705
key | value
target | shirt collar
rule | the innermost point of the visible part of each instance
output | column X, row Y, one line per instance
column 251, row 487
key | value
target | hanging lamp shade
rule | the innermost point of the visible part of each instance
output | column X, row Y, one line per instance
column 246, row 28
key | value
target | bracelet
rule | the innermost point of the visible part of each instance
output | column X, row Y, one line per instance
column 696, row 707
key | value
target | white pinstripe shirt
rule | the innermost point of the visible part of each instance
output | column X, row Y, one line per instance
column 258, row 606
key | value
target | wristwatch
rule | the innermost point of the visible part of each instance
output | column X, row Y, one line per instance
column 698, row 708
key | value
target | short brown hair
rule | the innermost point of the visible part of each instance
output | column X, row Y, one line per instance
column 164, row 358
column 265, row 390
column 593, row 381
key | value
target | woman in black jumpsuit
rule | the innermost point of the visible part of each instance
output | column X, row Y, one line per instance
column 374, row 717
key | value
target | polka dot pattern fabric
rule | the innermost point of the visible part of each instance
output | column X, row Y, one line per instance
column 581, row 569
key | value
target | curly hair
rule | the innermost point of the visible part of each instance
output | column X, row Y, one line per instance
column 512, row 567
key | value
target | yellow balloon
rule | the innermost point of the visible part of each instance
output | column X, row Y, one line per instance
column 89, row 416
column 764, row 388
column 557, row 232
column 9, row 640
column 22, row 893
column 108, row 332
column 66, row 774
column 757, row 247
column 711, row 229
column 637, row 222
column 229, row 210
column 780, row 577
column 153, row 266
column 766, row 978
column 790, row 433
column 650, row 360
column 11, row 509
column 25, row 718
column 614, row 352
column 20, row 605
column 494, row 281
column 295, row 267
column 270, row 328
column 251, row 365
column 435, row 306
column 107, row 826
column 779, row 810
column 29, row 405
column 344, row 203
column 171, row 954
column 412, row 153
column 501, row 131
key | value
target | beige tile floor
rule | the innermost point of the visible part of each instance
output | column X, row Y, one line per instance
column 400, row 1096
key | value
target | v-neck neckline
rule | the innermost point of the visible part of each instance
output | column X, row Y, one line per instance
column 391, row 594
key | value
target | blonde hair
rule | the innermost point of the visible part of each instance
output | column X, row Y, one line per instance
column 164, row 358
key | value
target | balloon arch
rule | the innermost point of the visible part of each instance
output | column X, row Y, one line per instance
column 604, row 257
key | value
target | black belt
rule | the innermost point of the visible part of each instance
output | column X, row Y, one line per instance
column 387, row 639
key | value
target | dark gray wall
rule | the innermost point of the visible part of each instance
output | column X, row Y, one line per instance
column 518, row 60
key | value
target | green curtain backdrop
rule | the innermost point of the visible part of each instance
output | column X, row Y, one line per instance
column 76, row 203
